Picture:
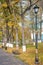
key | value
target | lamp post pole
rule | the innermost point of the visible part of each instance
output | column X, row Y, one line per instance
column 36, row 8
column 36, row 44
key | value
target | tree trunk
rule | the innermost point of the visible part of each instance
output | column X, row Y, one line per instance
column 12, row 37
column 7, row 31
column 17, row 45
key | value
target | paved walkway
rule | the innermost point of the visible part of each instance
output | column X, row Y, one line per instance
column 8, row 59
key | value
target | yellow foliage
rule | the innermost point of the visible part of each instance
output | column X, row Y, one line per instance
column 13, row 2
column 10, row 23
column 0, row 33
column 4, row 5
column 16, row 1
column 19, row 34
column 9, row 50
column 0, row 45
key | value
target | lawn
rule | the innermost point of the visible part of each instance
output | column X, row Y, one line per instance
column 29, row 55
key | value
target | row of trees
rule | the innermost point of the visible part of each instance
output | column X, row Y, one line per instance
column 12, row 12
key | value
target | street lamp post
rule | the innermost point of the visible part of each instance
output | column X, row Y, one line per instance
column 36, row 8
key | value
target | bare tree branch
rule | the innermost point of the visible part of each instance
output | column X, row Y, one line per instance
column 30, row 2
column 28, row 8
column 8, row 6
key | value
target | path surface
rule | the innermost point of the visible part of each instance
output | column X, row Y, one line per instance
column 9, row 59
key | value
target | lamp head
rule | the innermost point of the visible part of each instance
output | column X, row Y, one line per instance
column 36, row 8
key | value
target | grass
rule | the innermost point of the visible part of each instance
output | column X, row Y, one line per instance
column 29, row 55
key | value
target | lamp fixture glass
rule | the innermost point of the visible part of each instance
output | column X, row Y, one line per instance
column 36, row 8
